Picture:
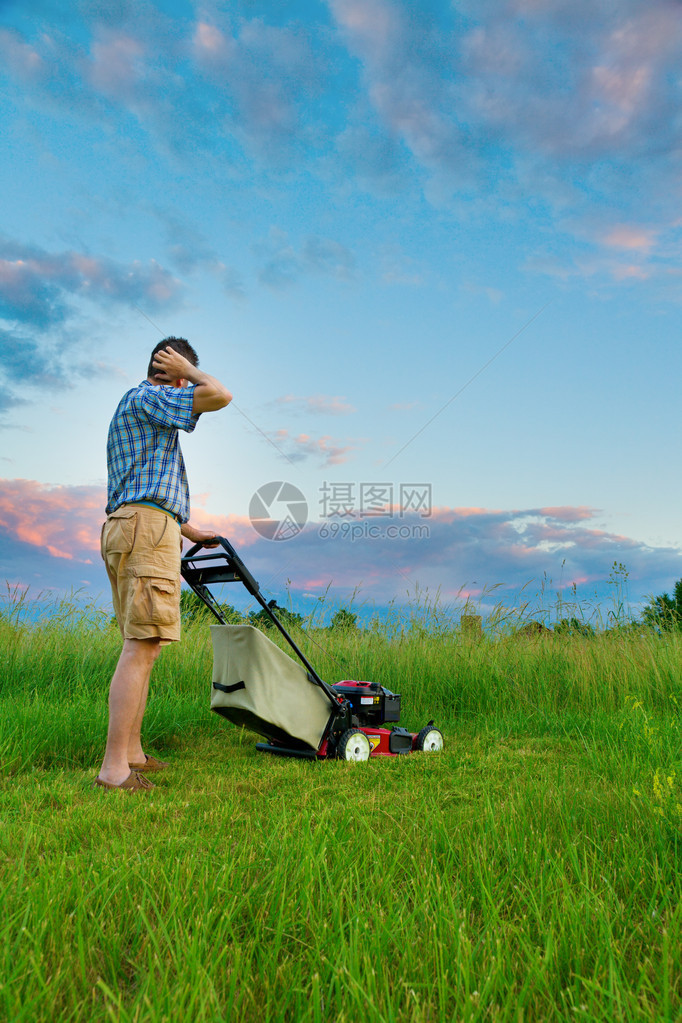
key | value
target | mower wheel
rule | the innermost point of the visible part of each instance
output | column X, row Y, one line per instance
column 430, row 739
column 353, row 745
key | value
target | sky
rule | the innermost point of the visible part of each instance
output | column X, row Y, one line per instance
column 433, row 249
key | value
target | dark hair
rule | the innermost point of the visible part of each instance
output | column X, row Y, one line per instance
column 178, row 344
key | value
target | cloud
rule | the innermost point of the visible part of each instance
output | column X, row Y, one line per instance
column 592, row 84
column 329, row 257
column 327, row 449
column 190, row 252
column 117, row 66
column 493, row 295
column 65, row 521
column 398, row 268
column 61, row 520
column 618, row 263
column 282, row 265
column 39, row 291
column 566, row 513
column 576, row 105
column 23, row 359
column 472, row 550
column 237, row 528
column 410, row 76
column 630, row 238
column 187, row 247
column 375, row 158
column 314, row 404
column 263, row 77
column 36, row 286
column 480, row 106
column 219, row 84
column 50, row 537
column 19, row 57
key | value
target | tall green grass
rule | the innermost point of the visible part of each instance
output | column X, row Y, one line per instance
column 529, row 872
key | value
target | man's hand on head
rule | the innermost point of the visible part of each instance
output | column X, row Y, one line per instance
column 209, row 394
column 195, row 535
column 171, row 366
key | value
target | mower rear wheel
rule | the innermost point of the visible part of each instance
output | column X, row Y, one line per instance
column 430, row 739
column 353, row 745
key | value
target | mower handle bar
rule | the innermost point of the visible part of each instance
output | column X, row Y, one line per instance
column 240, row 570
column 237, row 571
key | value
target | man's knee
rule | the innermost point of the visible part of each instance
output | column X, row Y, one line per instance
column 142, row 650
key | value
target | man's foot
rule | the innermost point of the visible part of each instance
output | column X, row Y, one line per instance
column 135, row 782
column 149, row 765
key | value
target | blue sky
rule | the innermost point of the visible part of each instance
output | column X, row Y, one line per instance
column 350, row 208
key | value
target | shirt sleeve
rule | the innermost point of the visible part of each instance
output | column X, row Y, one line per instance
column 171, row 407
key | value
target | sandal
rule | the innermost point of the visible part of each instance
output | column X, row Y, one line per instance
column 135, row 782
column 150, row 764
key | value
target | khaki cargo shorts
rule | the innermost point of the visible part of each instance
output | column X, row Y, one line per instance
column 141, row 547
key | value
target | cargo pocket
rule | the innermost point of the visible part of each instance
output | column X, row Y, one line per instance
column 155, row 596
column 158, row 536
column 118, row 532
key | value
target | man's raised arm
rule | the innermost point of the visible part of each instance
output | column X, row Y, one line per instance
column 209, row 394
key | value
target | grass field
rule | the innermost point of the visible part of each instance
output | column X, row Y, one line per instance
column 531, row 871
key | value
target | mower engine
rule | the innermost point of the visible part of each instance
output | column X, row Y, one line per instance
column 371, row 703
column 371, row 707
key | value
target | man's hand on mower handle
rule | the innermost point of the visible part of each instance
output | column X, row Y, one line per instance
column 198, row 535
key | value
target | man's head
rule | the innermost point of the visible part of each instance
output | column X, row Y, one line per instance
column 178, row 344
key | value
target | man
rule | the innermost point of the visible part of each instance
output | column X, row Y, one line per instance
column 147, row 513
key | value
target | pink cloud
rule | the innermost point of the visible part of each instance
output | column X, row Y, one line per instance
column 20, row 57
column 374, row 20
column 34, row 283
column 568, row 513
column 329, row 450
column 450, row 514
column 595, row 266
column 116, row 66
column 237, row 528
column 66, row 521
column 323, row 404
column 315, row 582
column 411, row 94
column 620, row 72
column 631, row 238
column 629, row 271
column 465, row 553
column 209, row 42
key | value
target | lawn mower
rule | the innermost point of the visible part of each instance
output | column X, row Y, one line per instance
column 257, row 685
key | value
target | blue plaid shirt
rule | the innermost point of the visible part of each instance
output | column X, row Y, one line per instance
column 144, row 460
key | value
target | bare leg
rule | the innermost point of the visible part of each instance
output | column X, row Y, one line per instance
column 127, row 699
column 135, row 751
